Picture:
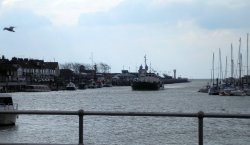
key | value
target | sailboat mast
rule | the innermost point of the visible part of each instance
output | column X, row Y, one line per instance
column 213, row 70
column 232, row 61
column 220, row 65
column 225, row 76
column 247, row 53
column 240, row 60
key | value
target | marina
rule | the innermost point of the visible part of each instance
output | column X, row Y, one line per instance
column 180, row 98
column 237, row 84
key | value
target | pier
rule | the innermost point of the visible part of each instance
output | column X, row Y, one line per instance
column 12, row 86
column 81, row 113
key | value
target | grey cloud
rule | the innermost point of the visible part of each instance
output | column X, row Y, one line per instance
column 24, row 19
column 207, row 16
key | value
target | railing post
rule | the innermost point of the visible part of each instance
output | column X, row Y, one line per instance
column 200, row 131
column 80, row 114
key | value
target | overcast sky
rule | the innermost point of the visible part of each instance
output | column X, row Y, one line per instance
column 174, row 34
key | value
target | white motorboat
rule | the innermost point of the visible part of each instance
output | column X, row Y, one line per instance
column 71, row 86
column 6, row 103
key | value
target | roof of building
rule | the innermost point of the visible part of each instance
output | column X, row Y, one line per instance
column 29, row 63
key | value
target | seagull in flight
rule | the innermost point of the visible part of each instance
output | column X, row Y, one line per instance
column 11, row 28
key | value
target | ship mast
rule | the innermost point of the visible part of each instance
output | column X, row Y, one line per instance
column 145, row 60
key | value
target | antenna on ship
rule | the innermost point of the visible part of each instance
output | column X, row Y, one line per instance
column 150, row 69
column 146, row 67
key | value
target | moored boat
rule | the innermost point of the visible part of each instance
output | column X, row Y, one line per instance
column 214, row 90
column 6, row 103
column 71, row 86
column 82, row 86
column 147, row 81
column 146, row 85
column 99, row 84
column 204, row 89
column 107, row 84
column 238, row 92
column 92, row 85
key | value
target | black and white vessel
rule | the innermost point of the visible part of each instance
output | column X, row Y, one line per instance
column 147, row 81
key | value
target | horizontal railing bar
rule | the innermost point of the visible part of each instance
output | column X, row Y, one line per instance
column 155, row 114
column 33, row 144
column 39, row 112
column 169, row 114
column 219, row 115
column 112, row 113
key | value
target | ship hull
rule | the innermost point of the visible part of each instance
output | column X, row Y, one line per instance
column 146, row 86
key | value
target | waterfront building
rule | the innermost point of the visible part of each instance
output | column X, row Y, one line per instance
column 23, row 71
column 123, row 79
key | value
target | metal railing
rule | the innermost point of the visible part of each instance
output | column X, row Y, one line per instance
column 200, row 116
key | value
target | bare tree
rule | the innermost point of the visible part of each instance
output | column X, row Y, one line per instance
column 103, row 67
column 88, row 66
column 76, row 67
column 73, row 66
column 65, row 66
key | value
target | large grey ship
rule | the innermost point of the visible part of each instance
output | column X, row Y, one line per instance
column 147, row 81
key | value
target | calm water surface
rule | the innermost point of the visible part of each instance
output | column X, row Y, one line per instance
column 99, row 130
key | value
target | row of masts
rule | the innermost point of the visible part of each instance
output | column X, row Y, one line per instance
column 239, row 64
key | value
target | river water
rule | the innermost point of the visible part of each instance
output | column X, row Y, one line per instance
column 99, row 130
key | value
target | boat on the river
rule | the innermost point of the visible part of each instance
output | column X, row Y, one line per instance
column 147, row 81
column 71, row 86
column 6, row 103
column 107, row 84
column 92, row 85
column 37, row 88
column 204, row 89
column 82, row 86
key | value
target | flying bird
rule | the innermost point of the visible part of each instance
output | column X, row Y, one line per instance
column 11, row 28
